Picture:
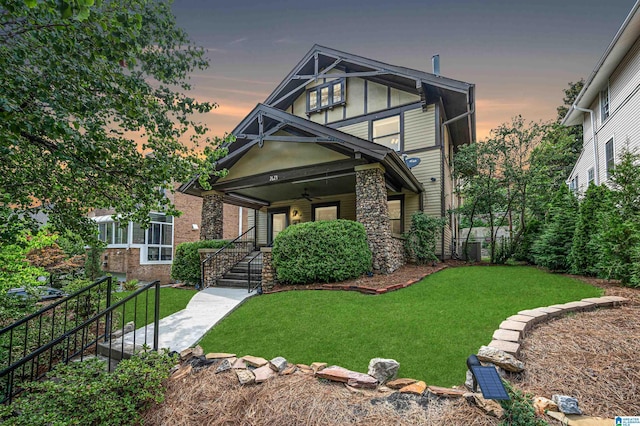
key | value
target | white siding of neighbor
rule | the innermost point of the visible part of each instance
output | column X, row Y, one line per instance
column 623, row 123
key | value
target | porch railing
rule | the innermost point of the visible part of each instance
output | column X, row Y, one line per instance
column 71, row 328
column 215, row 265
column 254, row 270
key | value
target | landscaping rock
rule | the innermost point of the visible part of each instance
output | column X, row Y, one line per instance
column 489, row 406
column 383, row 369
column 200, row 362
column 416, row 388
column 263, row 373
column 255, row 361
column 446, row 392
column 245, row 377
column 400, row 383
column 239, row 364
column 402, row 401
column 219, row 355
column 184, row 371
column 224, row 365
column 542, row 404
column 508, row 335
column 317, row 366
column 566, row 404
column 305, row 369
column 278, row 364
column 186, row 354
column 334, row 373
column 198, row 351
column 289, row 370
column 361, row 380
column 500, row 358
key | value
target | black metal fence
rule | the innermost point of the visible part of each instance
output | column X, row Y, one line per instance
column 217, row 264
column 80, row 325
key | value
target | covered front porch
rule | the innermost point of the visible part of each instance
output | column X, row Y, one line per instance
column 289, row 171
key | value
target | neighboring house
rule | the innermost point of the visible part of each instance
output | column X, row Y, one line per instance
column 608, row 107
column 347, row 137
column 147, row 254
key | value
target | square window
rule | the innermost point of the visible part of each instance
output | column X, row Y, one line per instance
column 153, row 253
column 166, row 253
column 325, row 211
column 386, row 131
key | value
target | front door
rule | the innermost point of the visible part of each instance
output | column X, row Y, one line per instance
column 277, row 221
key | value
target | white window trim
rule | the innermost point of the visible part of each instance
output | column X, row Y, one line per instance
column 607, row 172
column 605, row 119
column 144, row 248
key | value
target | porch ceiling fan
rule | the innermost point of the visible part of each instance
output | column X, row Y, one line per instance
column 305, row 194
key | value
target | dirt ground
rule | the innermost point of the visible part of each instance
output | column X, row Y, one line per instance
column 592, row 356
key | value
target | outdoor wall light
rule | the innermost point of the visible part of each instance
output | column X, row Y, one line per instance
column 295, row 213
column 194, row 226
column 433, row 179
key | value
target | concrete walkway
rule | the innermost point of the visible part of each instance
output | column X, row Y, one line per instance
column 184, row 328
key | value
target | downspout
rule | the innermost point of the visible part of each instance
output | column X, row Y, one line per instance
column 595, row 144
column 442, row 129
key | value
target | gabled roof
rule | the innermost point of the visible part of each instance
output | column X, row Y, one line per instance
column 624, row 39
column 457, row 96
column 264, row 121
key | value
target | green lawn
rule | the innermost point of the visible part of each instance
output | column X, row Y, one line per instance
column 171, row 300
column 429, row 328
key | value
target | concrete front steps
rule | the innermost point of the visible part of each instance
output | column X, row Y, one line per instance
column 238, row 276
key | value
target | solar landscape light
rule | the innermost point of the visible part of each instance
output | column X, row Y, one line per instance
column 488, row 379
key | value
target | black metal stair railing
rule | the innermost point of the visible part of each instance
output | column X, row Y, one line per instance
column 254, row 272
column 226, row 257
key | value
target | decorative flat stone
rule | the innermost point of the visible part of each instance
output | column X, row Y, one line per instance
column 186, row 353
column 198, row 351
column 317, row 366
column 255, row 361
column 239, row 364
column 289, row 370
column 305, row 368
column 245, row 377
column 515, row 326
column 263, row 373
column 361, row 380
column 580, row 306
column 400, row 383
column 446, row 392
column 416, row 388
column 489, row 406
column 334, row 373
column 508, row 335
column 521, row 318
column 508, row 347
column 182, row 372
column 219, row 355
column 617, row 300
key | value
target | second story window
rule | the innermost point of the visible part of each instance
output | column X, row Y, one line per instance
column 604, row 105
column 326, row 96
column 608, row 152
column 386, row 131
column 591, row 175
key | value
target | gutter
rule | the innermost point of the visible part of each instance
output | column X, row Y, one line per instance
column 470, row 111
column 596, row 162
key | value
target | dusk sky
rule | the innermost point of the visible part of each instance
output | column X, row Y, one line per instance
column 520, row 54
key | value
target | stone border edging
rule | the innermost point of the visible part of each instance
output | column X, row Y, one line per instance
column 509, row 336
column 359, row 288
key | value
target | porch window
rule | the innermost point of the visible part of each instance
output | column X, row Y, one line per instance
column 325, row 211
column 386, row 131
column 326, row 96
column 396, row 213
column 113, row 233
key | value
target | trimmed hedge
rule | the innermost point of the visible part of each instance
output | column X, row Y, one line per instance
column 186, row 264
column 324, row 251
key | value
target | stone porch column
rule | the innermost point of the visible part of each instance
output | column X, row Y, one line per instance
column 373, row 212
column 212, row 219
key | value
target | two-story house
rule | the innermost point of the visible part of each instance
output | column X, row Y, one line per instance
column 608, row 107
column 348, row 137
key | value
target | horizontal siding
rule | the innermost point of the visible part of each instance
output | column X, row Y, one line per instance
column 419, row 128
column 376, row 97
column 626, row 77
column 429, row 167
column 411, row 205
column 359, row 130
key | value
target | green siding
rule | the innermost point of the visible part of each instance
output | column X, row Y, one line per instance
column 359, row 130
column 376, row 97
column 419, row 128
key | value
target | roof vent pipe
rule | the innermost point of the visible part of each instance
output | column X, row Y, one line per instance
column 435, row 62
